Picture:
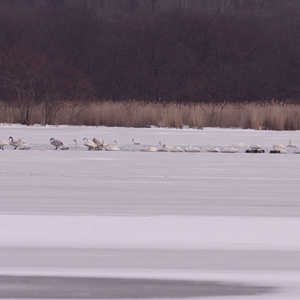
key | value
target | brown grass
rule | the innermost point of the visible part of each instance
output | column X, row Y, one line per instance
column 273, row 116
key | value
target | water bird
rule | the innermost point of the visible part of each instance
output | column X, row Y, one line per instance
column 89, row 144
column 192, row 149
column 135, row 143
column 2, row 144
column 213, row 149
column 15, row 144
column 56, row 143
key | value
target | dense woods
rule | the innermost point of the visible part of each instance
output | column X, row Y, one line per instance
column 179, row 51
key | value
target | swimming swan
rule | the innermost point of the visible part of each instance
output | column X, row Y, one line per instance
column 55, row 143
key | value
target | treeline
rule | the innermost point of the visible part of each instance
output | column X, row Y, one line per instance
column 192, row 51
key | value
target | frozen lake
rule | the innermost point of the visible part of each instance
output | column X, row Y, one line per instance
column 209, row 224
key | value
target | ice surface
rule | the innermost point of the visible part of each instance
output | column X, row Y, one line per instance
column 231, row 218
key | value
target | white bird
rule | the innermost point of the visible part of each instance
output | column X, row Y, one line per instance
column 78, row 146
column 104, row 144
column 113, row 147
column 291, row 144
column 229, row 150
column 278, row 146
column 89, row 144
column 192, row 149
column 135, row 143
column 240, row 144
column 177, row 149
column 2, row 144
column 255, row 146
column 56, row 143
column 165, row 148
column 149, row 149
column 213, row 149
column 278, row 150
column 24, row 146
column 15, row 144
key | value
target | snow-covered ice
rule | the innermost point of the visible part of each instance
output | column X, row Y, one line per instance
column 231, row 218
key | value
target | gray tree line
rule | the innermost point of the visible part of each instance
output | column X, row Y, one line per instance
column 149, row 50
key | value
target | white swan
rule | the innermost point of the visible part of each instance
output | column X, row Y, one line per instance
column 89, row 144
column 149, row 149
column 279, row 146
column 213, row 149
column 229, row 150
column 113, row 147
column 2, row 144
column 177, row 149
column 104, row 144
column 240, row 145
column 255, row 146
column 77, row 146
column 135, row 143
column 24, row 146
column 291, row 144
column 15, row 144
column 278, row 150
column 192, row 149
column 56, row 143
column 166, row 148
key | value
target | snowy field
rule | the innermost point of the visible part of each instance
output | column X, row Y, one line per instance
column 82, row 224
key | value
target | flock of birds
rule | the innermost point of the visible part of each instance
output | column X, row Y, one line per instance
column 95, row 144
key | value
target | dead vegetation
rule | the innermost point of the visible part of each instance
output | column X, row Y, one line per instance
column 268, row 116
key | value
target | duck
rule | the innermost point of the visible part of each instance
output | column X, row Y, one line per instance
column 2, row 144
column 89, row 144
column 15, row 144
column 56, row 143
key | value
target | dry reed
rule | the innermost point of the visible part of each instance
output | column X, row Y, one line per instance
column 273, row 116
